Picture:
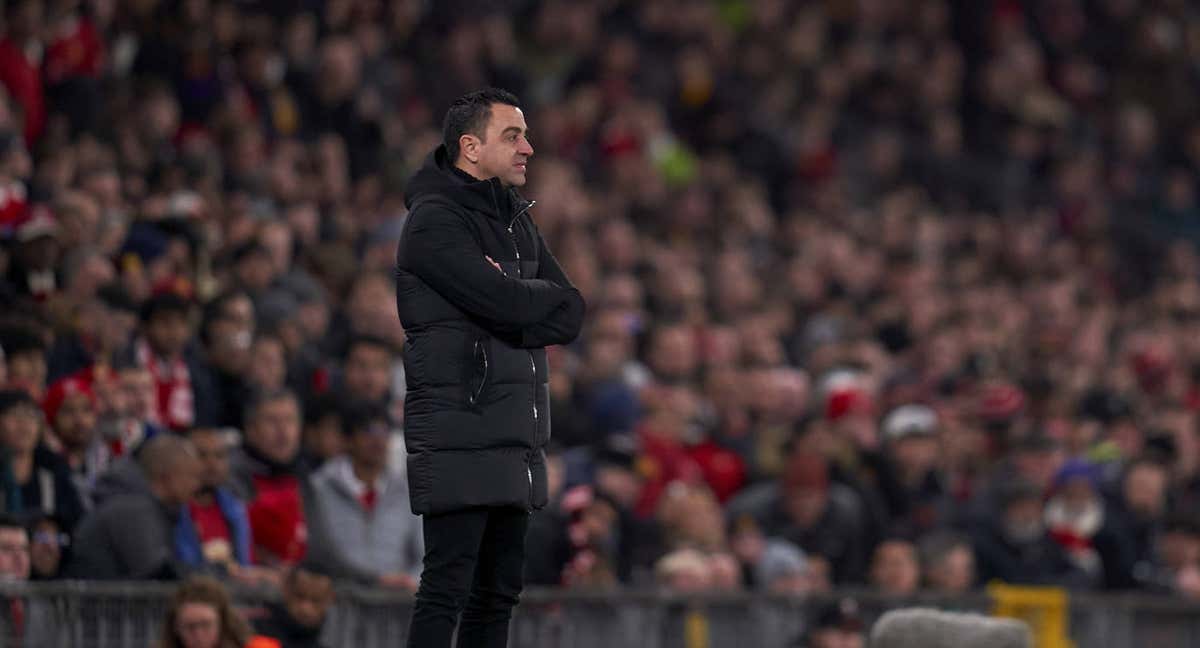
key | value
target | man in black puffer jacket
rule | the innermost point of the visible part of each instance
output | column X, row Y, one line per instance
column 480, row 296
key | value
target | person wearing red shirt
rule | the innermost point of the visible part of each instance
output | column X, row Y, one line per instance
column 20, row 65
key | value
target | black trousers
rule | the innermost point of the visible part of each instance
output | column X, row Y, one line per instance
column 473, row 566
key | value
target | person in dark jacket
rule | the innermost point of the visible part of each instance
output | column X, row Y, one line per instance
column 479, row 295
column 34, row 481
column 131, row 536
column 299, row 620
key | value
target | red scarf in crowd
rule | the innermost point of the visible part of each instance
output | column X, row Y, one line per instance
column 173, row 385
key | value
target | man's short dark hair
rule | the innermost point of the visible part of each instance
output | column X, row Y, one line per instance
column 470, row 113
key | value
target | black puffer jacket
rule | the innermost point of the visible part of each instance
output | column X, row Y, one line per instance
column 477, row 411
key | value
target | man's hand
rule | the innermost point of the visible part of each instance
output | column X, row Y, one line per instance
column 398, row 581
column 497, row 265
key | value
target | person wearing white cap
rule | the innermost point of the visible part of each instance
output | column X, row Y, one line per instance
column 910, row 480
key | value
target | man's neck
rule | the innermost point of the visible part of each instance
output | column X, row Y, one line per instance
column 22, row 466
column 465, row 168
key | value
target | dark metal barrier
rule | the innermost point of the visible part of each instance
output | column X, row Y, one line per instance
column 129, row 615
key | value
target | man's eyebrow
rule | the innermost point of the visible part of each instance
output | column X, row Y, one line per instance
column 518, row 129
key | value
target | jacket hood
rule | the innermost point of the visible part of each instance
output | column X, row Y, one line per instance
column 437, row 176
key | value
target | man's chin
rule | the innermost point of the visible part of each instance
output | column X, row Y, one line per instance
column 516, row 180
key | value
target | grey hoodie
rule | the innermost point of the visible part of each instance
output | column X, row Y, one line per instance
column 351, row 542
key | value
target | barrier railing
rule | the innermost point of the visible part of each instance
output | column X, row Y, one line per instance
column 129, row 615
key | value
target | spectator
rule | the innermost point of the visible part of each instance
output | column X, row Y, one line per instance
column 1017, row 547
column 71, row 410
column 1176, row 565
column 201, row 615
column 227, row 332
column 48, row 549
column 25, row 355
column 684, row 571
column 14, row 550
column 130, row 537
column 948, row 563
column 307, row 597
column 186, row 395
column 836, row 625
column 361, row 525
column 895, row 568
column 910, row 483
column 821, row 518
column 35, row 481
column 213, row 529
column 1078, row 520
column 1140, row 513
column 267, row 475
column 323, row 429
column 367, row 369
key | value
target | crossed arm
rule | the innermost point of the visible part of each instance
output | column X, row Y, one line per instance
column 527, row 313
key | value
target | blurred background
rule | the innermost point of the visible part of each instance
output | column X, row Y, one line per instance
column 886, row 299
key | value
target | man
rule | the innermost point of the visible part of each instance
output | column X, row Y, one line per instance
column 14, row 550
column 479, row 295
column 895, row 568
column 34, row 481
column 297, row 623
column 186, row 395
column 130, row 536
column 361, row 523
column 948, row 562
column 837, row 625
column 267, row 476
column 71, row 410
column 214, row 528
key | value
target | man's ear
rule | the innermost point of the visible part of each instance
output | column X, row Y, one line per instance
column 469, row 145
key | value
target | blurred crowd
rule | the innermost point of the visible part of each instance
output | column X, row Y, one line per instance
column 880, row 294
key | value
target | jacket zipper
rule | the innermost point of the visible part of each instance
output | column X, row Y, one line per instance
column 532, row 362
column 483, row 382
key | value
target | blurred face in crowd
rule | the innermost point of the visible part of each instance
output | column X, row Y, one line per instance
column 323, row 438
column 368, row 447
column 673, row 353
column 1023, row 520
column 178, row 485
column 212, row 449
column 1145, row 490
column 916, row 454
column 274, row 429
column 20, row 428
column 168, row 333
column 28, row 369
column 268, row 364
column 503, row 151
column 895, row 569
column 45, row 551
column 953, row 572
column 14, row 554
column 368, row 372
column 198, row 625
column 805, row 505
column 137, row 385
column 75, row 424
column 837, row 638
column 307, row 597
column 232, row 332
column 1180, row 549
column 1038, row 465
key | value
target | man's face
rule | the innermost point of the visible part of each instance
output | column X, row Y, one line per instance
column 895, row 570
column 168, row 333
column 14, row 554
column 138, row 390
column 368, row 372
column 213, row 452
column 275, row 430
column 183, row 482
column 1145, row 487
column 307, row 598
column 28, row 370
column 76, row 420
column 19, row 428
column 369, row 447
column 955, row 572
column 504, row 150
column 837, row 638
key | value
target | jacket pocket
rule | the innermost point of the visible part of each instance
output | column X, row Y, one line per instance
column 480, row 364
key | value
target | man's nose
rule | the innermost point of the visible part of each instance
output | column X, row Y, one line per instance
column 525, row 148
